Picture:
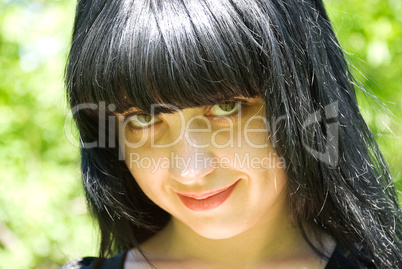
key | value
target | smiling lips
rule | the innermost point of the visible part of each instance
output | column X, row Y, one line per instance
column 206, row 201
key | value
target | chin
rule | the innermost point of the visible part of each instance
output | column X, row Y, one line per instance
column 217, row 232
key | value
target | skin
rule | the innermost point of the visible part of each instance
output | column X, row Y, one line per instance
column 252, row 228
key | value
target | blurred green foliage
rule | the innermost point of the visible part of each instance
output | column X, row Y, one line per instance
column 370, row 32
column 43, row 219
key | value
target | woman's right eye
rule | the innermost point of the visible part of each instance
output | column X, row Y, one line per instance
column 141, row 121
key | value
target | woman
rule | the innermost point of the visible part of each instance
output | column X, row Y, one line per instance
column 226, row 134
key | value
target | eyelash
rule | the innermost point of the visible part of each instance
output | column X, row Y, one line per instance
column 137, row 128
column 216, row 118
column 224, row 118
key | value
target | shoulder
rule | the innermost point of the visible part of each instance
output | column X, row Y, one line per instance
column 116, row 262
column 348, row 260
column 83, row 263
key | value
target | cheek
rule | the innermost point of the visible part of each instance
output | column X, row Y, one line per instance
column 255, row 132
column 147, row 166
column 251, row 149
column 139, row 155
column 150, row 174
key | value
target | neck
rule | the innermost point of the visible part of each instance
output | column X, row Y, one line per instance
column 273, row 239
column 249, row 247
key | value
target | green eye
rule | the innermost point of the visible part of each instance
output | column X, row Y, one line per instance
column 143, row 120
column 225, row 109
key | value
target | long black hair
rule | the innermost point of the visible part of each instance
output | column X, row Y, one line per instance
column 134, row 53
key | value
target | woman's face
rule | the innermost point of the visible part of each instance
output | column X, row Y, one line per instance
column 212, row 168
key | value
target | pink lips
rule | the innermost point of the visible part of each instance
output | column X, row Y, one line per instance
column 207, row 200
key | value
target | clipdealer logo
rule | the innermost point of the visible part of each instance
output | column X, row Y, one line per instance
column 200, row 160
column 108, row 136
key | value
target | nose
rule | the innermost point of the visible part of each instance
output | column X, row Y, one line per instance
column 190, row 158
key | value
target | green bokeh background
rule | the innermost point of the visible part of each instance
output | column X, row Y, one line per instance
column 43, row 218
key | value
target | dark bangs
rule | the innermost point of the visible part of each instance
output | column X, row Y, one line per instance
column 185, row 53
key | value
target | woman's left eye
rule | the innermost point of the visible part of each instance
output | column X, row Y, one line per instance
column 225, row 109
